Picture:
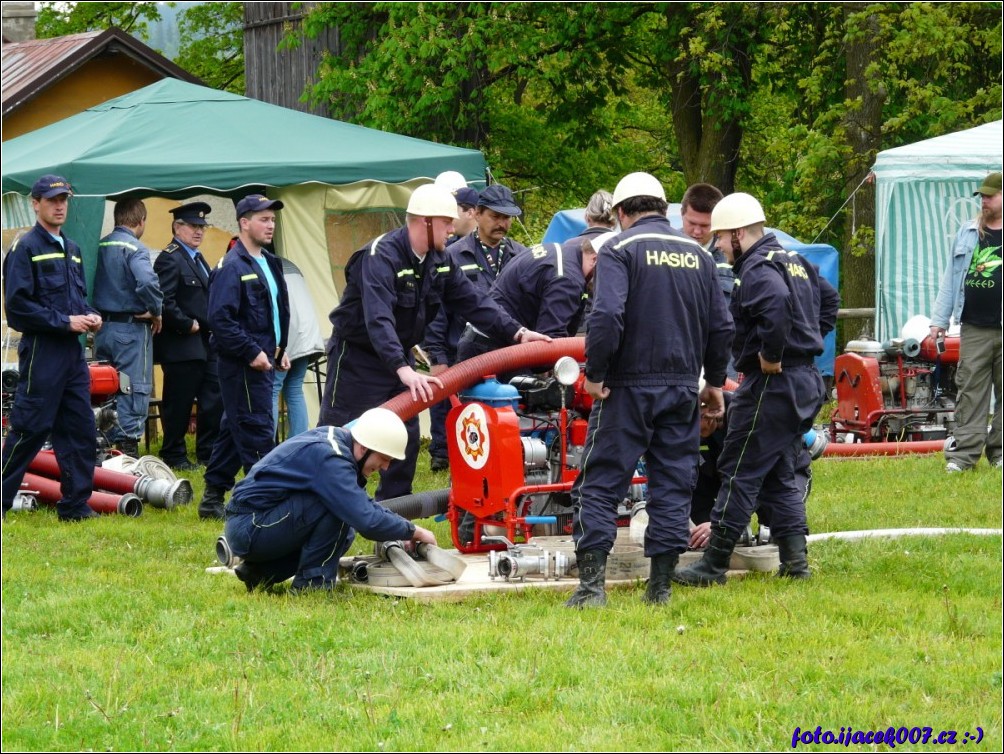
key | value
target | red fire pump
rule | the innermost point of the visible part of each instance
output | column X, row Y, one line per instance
column 902, row 390
column 106, row 384
column 515, row 451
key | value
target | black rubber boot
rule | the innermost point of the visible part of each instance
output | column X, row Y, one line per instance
column 711, row 568
column 211, row 505
column 794, row 557
column 661, row 569
column 592, row 578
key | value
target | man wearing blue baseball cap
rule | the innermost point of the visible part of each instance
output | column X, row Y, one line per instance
column 249, row 317
column 46, row 301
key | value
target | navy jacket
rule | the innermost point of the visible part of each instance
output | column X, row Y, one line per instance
column 781, row 306
column 389, row 299
column 318, row 462
column 658, row 311
column 186, row 300
column 240, row 306
column 444, row 331
column 544, row 289
column 44, row 285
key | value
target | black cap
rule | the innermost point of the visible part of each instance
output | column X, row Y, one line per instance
column 49, row 186
column 500, row 199
column 256, row 203
column 193, row 213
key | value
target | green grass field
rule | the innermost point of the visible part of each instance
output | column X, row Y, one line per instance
column 115, row 638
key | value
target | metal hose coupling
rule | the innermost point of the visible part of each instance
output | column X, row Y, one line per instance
column 225, row 555
column 164, row 493
column 130, row 505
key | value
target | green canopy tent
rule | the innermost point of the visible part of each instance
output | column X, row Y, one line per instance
column 923, row 195
column 342, row 184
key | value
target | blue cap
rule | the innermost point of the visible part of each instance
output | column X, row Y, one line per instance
column 49, row 186
column 193, row 213
column 500, row 199
column 256, row 203
column 467, row 195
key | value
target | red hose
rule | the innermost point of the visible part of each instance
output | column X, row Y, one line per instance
column 101, row 502
column 104, row 479
column 466, row 373
column 883, row 448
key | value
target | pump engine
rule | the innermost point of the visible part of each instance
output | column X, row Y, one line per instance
column 902, row 390
column 515, row 450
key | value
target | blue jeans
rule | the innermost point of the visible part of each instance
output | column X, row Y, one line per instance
column 290, row 384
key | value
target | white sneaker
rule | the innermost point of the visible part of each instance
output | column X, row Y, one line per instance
column 953, row 468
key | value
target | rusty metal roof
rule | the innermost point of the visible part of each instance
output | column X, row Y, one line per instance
column 30, row 67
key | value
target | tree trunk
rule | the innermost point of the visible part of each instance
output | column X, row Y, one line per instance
column 863, row 129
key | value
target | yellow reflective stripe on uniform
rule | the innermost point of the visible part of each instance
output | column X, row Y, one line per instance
column 54, row 255
column 373, row 248
column 466, row 267
column 78, row 260
column 659, row 237
column 724, row 266
column 252, row 276
column 119, row 243
column 332, row 442
column 444, row 268
column 561, row 261
column 737, row 282
column 405, row 273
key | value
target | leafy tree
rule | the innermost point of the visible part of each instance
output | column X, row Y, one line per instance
column 59, row 19
column 212, row 45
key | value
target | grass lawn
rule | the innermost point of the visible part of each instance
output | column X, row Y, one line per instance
column 115, row 638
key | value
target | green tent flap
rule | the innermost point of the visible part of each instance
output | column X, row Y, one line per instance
column 173, row 138
column 923, row 195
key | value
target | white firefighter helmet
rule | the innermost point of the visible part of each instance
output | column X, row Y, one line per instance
column 638, row 184
column 451, row 180
column 736, row 211
column 381, row 431
column 431, row 200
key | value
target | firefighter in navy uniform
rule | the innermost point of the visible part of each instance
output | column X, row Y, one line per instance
column 46, row 301
column 182, row 347
column 297, row 511
column 544, row 288
column 482, row 252
column 249, row 317
column 782, row 310
column 394, row 286
column 658, row 318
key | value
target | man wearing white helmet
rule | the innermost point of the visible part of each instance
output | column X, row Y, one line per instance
column 297, row 511
column 782, row 309
column 658, row 318
column 395, row 286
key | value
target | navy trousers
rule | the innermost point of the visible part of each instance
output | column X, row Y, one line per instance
column 299, row 537
column 246, row 433
column 357, row 381
column 184, row 383
column 764, row 455
column 663, row 424
column 52, row 397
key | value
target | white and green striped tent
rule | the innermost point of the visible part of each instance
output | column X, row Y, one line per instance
column 924, row 194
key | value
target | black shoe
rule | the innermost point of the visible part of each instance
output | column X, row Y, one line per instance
column 78, row 514
column 438, row 463
column 794, row 557
column 211, row 505
column 129, row 447
column 185, row 465
column 714, row 563
column 252, row 577
column 661, row 568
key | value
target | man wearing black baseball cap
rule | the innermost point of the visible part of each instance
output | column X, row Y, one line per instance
column 46, row 301
column 182, row 346
column 971, row 294
column 249, row 317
